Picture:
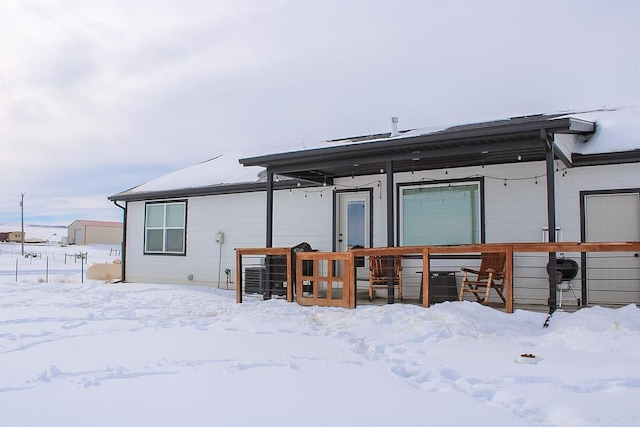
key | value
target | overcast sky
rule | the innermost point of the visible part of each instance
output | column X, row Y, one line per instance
column 99, row 97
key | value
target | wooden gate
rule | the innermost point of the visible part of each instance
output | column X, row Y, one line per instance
column 318, row 283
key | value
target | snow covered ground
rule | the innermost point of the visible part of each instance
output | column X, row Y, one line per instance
column 101, row 354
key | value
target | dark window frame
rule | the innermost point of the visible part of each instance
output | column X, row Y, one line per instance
column 164, row 252
column 471, row 180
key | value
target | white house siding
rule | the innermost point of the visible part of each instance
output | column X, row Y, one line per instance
column 302, row 219
column 242, row 219
column 516, row 212
column 592, row 178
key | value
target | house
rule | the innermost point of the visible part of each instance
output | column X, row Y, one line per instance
column 11, row 236
column 507, row 180
column 84, row 232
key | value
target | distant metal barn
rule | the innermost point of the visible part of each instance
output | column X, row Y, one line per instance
column 83, row 232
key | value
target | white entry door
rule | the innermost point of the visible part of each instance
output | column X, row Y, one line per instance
column 613, row 277
column 353, row 219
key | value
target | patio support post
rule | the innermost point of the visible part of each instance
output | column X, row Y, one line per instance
column 551, row 215
column 269, row 243
column 390, row 233
column 123, row 244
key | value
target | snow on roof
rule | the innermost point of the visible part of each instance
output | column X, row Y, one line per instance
column 216, row 171
column 617, row 130
column 408, row 133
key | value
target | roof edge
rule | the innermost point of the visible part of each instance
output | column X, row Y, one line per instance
column 632, row 156
column 549, row 123
column 213, row 190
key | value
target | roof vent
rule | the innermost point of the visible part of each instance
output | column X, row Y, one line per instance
column 394, row 127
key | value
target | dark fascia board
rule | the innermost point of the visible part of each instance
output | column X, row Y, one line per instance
column 632, row 156
column 212, row 190
column 500, row 129
column 446, row 152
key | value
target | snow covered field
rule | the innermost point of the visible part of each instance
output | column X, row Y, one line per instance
column 100, row 354
column 49, row 261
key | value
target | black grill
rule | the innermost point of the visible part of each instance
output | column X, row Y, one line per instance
column 566, row 270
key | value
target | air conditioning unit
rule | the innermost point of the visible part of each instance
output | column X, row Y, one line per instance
column 254, row 280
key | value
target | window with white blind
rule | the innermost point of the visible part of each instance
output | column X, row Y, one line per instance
column 442, row 214
column 165, row 228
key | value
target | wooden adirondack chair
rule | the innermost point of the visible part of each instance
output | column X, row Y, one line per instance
column 378, row 272
column 489, row 276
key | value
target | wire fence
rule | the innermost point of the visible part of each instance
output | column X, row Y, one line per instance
column 320, row 276
column 610, row 279
column 43, row 266
column 605, row 278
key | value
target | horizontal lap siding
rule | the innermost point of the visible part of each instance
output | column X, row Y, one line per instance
column 239, row 216
column 242, row 219
column 303, row 219
column 589, row 178
column 516, row 212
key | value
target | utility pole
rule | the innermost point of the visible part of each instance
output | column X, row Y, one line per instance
column 22, row 221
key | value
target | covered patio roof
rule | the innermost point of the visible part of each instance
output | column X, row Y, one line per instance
column 495, row 142
column 531, row 138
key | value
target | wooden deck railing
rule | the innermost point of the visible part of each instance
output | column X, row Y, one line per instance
column 263, row 252
column 340, row 289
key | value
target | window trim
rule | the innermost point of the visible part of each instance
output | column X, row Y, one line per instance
column 479, row 181
column 165, row 228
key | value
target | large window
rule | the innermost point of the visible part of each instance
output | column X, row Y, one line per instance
column 165, row 226
column 443, row 214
